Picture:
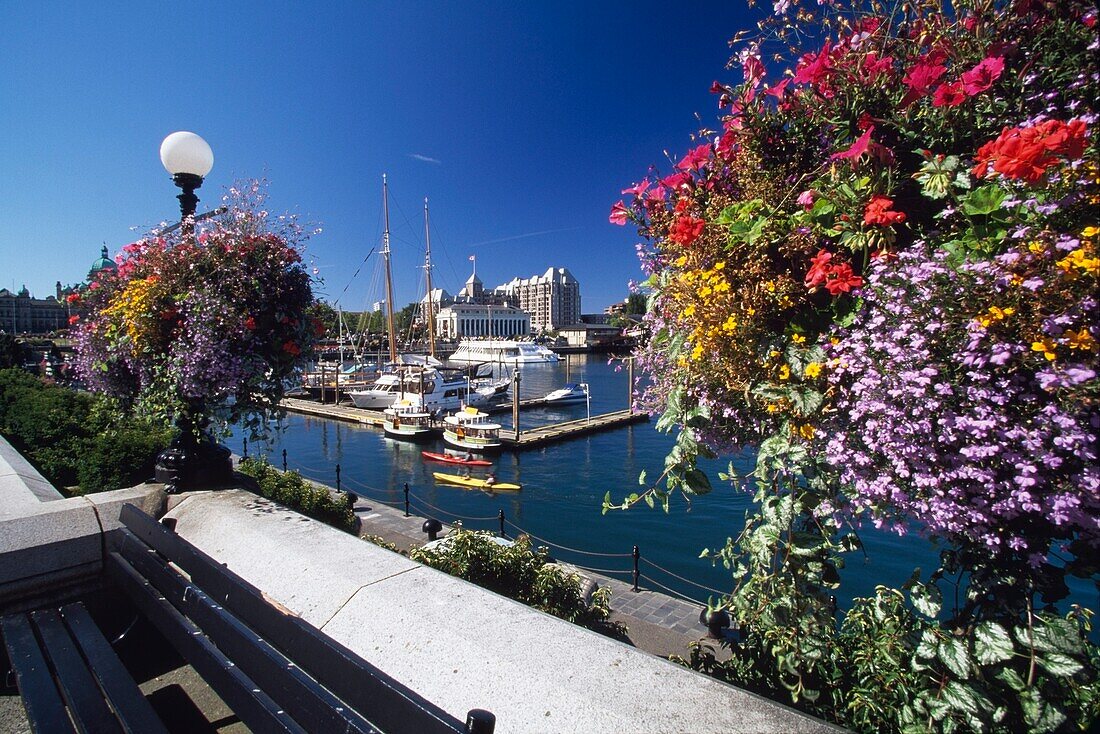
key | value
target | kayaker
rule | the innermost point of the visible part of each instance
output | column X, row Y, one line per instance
column 490, row 479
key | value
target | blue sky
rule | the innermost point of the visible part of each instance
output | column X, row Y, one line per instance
column 521, row 123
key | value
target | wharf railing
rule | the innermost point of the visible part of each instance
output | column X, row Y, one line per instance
column 631, row 567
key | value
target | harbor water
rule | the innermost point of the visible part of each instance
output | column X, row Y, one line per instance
column 563, row 489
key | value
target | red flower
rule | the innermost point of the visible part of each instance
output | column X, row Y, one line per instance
column 982, row 76
column 676, row 180
column 813, row 68
column 874, row 67
column 779, row 89
column 291, row 347
column 819, row 268
column 879, row 211
column 619, row 214
column 73, row 319
column 1025, row 153
column 686, row 230
column 637, row 189
column 72, row 298
column 843, row 280
column 250, row 323
column 949, row 95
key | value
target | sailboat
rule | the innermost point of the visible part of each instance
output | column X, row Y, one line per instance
column 413, row 378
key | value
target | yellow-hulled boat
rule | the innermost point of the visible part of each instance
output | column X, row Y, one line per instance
column 473, row 482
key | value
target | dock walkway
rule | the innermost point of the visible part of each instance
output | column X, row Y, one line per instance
column 528, row 437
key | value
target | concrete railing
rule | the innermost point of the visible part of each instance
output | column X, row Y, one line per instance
column 50, row 544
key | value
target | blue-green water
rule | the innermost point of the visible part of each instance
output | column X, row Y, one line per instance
column 563, row 488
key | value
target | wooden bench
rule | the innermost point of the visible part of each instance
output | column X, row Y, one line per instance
column 275, row 671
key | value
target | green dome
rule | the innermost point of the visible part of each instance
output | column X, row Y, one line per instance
column 103, row 263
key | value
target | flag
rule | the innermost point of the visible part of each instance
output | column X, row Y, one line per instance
column 473, row 257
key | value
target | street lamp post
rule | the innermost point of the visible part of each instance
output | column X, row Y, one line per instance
column 188, row 158
column 193, row 460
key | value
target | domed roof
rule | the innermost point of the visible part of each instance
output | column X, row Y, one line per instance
column 103, row 263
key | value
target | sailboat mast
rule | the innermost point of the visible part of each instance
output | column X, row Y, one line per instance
column 386, row 259
column 428, row 271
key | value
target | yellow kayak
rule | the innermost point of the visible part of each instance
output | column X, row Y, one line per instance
column 472, row 482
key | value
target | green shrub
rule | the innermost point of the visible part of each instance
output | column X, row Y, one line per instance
column 73, row 437
column 291, row 489
column 519, row 572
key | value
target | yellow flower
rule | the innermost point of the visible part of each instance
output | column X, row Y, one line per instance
column 773, row 408
column 806, row 431
column 785, row 372
column 1090, row 231
column 813, row 369
column 1046, row 346
column 689, row 311
column 1080, row 339
column 1036, row 247
column 720, row 265
column 798, row 339
column 680, row 261
column 730, row 325
column 705, row 291
column 697, row 352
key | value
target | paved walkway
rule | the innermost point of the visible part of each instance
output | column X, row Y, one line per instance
column 657, row 623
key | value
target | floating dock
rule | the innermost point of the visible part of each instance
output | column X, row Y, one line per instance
column 528, row 437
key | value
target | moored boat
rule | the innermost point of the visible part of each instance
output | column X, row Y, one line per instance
column 571, row 393
column 506, row 351
column 407, row 421
column 451, row 459
column 472, row 430
column 474, row 482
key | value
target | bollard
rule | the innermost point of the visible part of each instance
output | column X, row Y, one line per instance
column 500, row 514
column 480, row 721
column 406, row 499
column 637, row 555
column 246, row 448
column 337, row 477
column 432, row 527
column 716, row 622
column 284, row 459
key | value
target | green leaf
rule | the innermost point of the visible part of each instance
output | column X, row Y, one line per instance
column 697, row 481
column 1012, row 679
column 961, row 698
column 1059, row 664
column 992, row 643
column 953, row 652
column 926, row 599
column 983, row 201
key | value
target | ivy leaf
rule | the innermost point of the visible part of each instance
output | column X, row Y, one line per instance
column 992, row 643
column 1059, row 664
column 953, row 652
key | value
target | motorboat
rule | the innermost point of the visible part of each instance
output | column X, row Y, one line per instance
column 433, row 389
column 571, row 393
column 472, row 430
column 505, row 351
column 407, row 421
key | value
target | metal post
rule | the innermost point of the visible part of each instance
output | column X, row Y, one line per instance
column 630, row 384
column 284, row 459
column 515, row 401
column 568, row 362
column 322, row 384
column 480, row 721
column 500, row 514
column 406, row 499
column 637, row 555
column 337, row 477
column 246, row 448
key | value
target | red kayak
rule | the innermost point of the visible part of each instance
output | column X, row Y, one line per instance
column 454, row 459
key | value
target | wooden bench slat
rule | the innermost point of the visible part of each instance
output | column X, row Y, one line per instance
column 41, row 698
column 134, row 712
column 307, row 702
column 390, row 705
column 248, row 701
column 86, row 703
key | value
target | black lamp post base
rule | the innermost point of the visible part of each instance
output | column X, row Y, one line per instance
column 200, row 465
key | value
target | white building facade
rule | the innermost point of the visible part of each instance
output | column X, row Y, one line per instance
column 463, row 320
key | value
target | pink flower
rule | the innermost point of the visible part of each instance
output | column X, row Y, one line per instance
column 619, row 214
column 920, row 80
column 695, row 159
column 806, row 198
column 637, row 189
column 856, row 149
column 982, row 76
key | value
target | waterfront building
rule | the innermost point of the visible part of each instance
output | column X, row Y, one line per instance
column 22, row 313
column 553, row 299
column 465, row 320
